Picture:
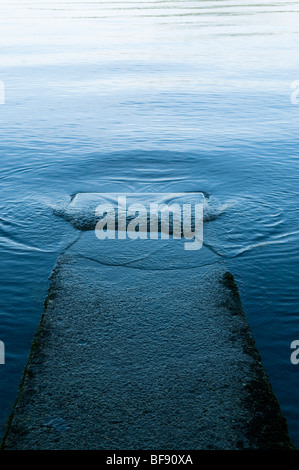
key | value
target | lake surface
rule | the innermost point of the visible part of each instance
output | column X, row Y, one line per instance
column 156, row 96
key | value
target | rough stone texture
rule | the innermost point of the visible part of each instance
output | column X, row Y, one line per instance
column 126, row 361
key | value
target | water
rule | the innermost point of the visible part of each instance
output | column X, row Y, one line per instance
column 153, row 96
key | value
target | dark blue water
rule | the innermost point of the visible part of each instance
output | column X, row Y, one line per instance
column 153, row 96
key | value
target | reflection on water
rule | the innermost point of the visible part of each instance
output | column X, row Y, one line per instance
column 153, row 96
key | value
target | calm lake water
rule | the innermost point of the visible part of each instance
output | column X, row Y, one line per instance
column 154, row 96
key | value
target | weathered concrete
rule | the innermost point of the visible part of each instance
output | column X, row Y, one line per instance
column 126, row 361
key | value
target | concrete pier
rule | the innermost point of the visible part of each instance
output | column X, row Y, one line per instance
column 126, row 358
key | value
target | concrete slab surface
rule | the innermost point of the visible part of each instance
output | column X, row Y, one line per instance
column 128, row 358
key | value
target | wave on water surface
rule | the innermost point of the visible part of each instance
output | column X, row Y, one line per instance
column 80, row 209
